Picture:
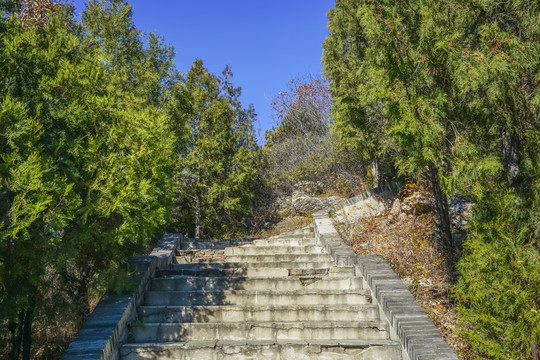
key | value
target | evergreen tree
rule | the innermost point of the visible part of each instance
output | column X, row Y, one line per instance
column 85, row 164
column 218, row 167
column 357, row 114
column 457, row 87
column 498, row 47
column 399, row 72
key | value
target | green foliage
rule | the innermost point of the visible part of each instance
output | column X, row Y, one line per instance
column 217, row 169
column 86, row 160
column 359, row 119
column 450, row 93
column 500, row 281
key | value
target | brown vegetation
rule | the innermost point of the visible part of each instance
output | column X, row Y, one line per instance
column 408, row 245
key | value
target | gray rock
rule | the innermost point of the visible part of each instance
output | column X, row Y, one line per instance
column 363, row 209
column 304, row 204
column 417, row 202
column 309, row 187
column 396, row 208
column 402, row 217
column 460, row 210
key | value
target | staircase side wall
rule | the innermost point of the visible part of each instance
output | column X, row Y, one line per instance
column 106, row 329
column 410, row 325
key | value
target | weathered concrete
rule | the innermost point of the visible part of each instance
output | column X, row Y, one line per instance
column 278, row 258
column 410, row 325
column 193, row 283
column 272, row 250
column 170, row 332
column 299, row 295
column 267, row 297
column 257, row 349
column 258, row 313
column 277, row 298
column 107, row 328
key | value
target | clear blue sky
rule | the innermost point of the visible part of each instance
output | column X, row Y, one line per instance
column 266, row 42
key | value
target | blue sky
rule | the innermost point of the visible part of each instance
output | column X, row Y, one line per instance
column 267, row 42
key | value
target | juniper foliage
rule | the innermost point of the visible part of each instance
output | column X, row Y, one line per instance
column 455, row 87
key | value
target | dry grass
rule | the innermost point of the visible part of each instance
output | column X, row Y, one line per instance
column 289, row 223
column 408, row 247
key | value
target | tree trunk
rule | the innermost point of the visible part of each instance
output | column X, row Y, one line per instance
column 27, row 329
column 16, row 330
column 441, row 207
column 375, row 173
column 510, row 143
column 197, row 216
column 82, row 293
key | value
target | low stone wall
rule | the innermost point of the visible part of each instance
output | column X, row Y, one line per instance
column 420, row 339
column 107, row 327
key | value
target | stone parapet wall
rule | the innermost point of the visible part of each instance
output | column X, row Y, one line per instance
column 107, row 327
column 420, row 339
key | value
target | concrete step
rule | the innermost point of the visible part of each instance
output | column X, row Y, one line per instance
column 195, row 256
column 305, row 235
column 191, row 283
column 284, row 242
column 246, row 271
column 258, row 269
column 342, row 271
column 212, row 244
column 274, row 264
column 259, row 350
column 231, row 313
column 307, row 231
column 271, row 250
column 266, row 298
column 166, row 332
column 279, row 257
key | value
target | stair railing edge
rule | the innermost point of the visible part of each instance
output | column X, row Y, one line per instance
column 107, row 328
column 410, row 325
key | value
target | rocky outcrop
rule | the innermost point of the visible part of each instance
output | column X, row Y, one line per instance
column 417, row 203
column 305, row 204
column 363, row 209
column 460, row 209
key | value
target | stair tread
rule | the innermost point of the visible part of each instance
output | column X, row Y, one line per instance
column 251, row 296
column 240, row 265
column 300, row 324
column 269, row 292
column 291, row 307
column 213, row 343
column 255, row 278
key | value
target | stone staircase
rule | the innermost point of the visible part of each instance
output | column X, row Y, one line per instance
column 275, row 298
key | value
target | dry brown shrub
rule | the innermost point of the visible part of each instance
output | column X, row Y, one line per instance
column 408, row 246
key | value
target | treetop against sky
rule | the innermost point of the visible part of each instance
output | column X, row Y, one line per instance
column 265, row 42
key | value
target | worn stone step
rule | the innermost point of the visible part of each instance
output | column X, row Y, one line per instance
column 245, row 297
column 190, row 283
column 306, row 232
column 196, row 256
column 231, row 313
column 166, row 332
column 284, row 242
column 273, row 264
column 212, row 244
column 280, row 257
column 247, row 271
column 342, row 271
column 271, row 250
column 263, row 350
column 292, row 236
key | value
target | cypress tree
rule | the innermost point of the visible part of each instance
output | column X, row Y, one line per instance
column 457, row 85
column 218, row 167
column 86, row 166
